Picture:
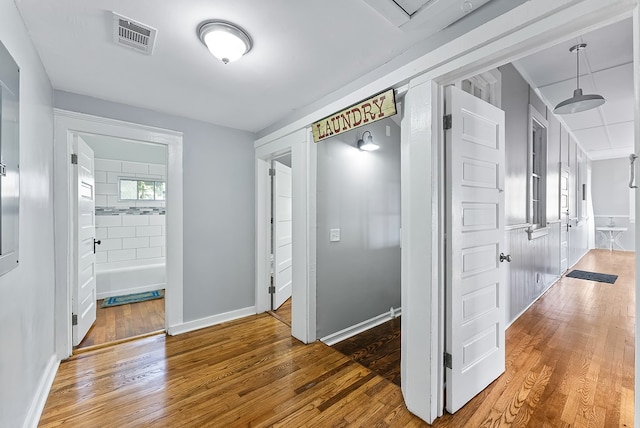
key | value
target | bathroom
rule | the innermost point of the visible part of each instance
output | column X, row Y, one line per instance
column 130, row 207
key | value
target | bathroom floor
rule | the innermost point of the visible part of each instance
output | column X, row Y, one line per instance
column 123, row 322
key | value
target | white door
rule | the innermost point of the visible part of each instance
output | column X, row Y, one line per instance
column 475, row 284
column 84, row 293
column 566, row 223
column 282, row 242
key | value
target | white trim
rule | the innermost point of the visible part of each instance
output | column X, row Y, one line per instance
column 421, row 246
column 42, row 393
column 348, row 332
column 532, row 303
column 636, row 147
column 67, row 122
column 211, row 321
column 303, row 167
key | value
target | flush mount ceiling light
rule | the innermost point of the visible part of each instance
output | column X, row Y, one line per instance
column 367, row 145
column 225, row 41
column 578, row 102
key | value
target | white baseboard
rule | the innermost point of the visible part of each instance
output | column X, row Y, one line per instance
column 348, row 332
column 210, row 321
column 124, row 292
column 534, row 301
column 42, row 392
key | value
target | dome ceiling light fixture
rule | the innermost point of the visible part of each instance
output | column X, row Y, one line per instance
column 225, row 40
column 578, row 102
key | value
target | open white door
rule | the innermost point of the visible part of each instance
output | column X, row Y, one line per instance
column 475, row 298
column 282, row 242
column 84, row 280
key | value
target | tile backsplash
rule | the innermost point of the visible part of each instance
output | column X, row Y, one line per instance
column 128, row 230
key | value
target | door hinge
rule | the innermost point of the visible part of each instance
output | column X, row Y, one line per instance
column 74, row 319
column 272, row 172
column 3, row 170
column 448, row 360
column 74, row 159
column 447, row 121
column 272, row 288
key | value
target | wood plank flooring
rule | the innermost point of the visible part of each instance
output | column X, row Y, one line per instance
column 283, row 313
column 121, row 322
column 570, row 363
column 245, row 372
column 378, row 349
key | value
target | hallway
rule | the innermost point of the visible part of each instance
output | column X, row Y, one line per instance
column 569, row 363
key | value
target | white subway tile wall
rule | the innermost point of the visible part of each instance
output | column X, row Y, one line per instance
column 127, row 237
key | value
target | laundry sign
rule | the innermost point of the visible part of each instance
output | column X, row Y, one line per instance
column 365, row 112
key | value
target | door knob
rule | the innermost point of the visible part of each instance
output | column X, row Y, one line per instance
column 503, row 258
column 98, row 242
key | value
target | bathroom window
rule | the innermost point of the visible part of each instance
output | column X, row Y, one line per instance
column 140, row 189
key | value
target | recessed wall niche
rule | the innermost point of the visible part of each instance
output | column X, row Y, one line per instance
column 9, row 160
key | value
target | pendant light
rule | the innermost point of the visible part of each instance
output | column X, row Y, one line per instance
column 578, row 102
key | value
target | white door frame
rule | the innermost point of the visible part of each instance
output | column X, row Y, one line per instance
column 303, row 177
column 67, row 122
column 528, row 28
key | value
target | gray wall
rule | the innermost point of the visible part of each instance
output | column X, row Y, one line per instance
column 106, row 147
column 358, row 278
column 27, row 303
column 536, row 263
column 219, row 231
column 610, row 192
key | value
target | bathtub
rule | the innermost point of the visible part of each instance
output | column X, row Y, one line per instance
column 136, row 276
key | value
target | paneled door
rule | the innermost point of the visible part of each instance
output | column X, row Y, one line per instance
column 475, row 281
column 84, row 293
column 282, row 239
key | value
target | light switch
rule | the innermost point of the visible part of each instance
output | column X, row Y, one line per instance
column 334, row 235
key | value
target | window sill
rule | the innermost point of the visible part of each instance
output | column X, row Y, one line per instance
column 537, row 233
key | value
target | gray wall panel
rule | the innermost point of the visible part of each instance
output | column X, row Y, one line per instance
column 27, row 306
column 515, row 103
column 553, row 169
column 358, row 278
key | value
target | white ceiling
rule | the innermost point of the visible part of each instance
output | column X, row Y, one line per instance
column 606, row 68
column 303, row 50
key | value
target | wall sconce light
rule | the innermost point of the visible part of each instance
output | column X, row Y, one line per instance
column 225, row 41
column 367, row 145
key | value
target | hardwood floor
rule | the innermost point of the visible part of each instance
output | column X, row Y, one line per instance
column 245, row 372
column 283, row 313
column 378, row 349
column 117, row 323
column 570, row 363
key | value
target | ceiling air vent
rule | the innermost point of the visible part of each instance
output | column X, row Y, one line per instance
column 132, row 34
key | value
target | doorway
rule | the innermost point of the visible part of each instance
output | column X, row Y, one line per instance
column 130, row 239
column 303, row 154
column 68, row 124
column 280, row 285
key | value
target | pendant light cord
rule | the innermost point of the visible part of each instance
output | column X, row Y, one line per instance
column 578, row 68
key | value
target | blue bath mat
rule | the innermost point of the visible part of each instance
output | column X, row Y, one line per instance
column 132, row 298
column 593, row 276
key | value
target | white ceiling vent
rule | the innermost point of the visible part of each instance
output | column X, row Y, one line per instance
column 132, row 34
